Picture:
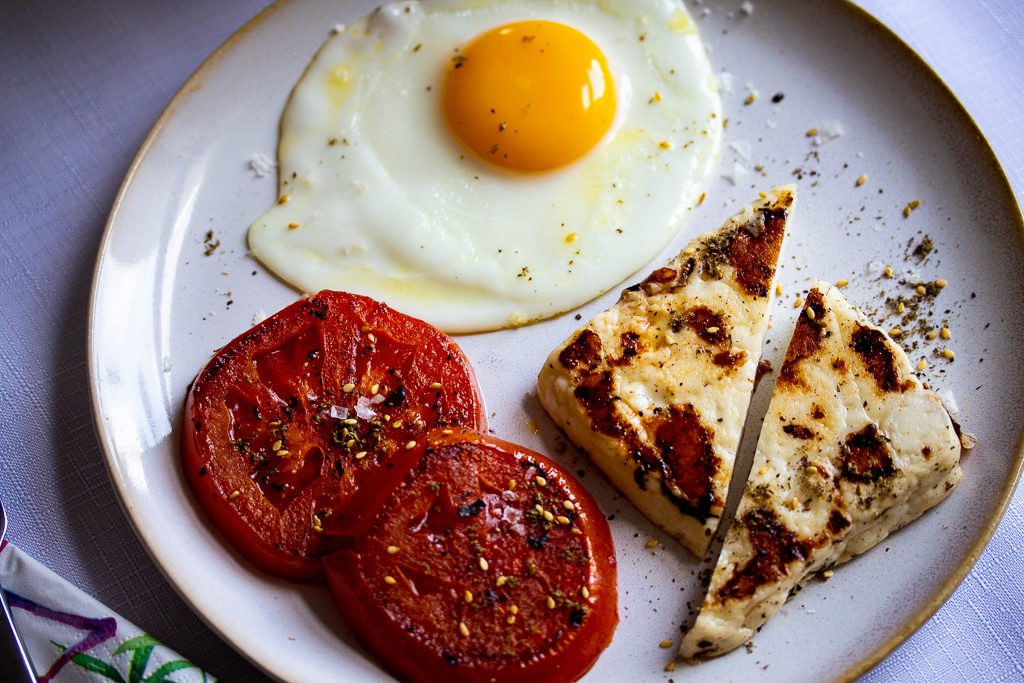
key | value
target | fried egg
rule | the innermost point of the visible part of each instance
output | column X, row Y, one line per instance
column 482, row 164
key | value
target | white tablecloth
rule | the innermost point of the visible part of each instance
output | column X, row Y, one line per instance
column 80, row 85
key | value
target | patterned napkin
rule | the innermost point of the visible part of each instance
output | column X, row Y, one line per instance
column 71, row 637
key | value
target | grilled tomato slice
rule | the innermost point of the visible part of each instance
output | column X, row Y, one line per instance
column 473, row 559
column 285, row 423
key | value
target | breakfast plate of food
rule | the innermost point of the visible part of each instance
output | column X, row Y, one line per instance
column 502, row 340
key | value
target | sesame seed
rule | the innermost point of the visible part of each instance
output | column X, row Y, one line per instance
column 435, row 385
column 712, row 330
column 447, row 432
column 365, row 328
column 396, row 424
column 778, row 290
column 410, row 445
column 349, row 388
column 652, row 543
column 350, row 443
column 811, row 132
column 562, row 519
column 390, row 580
column 371, row 338
column 502, row 580
column 284, row 199
column 664, row 144
column 539, row 508
column 570, row 238
column 861, row 179
column 798, row 302
column 827, row 574
column 483, row 564
column 948, row 353
column 888, row 271
column 541, row 481
column 468, row 596
column 946, row 334
column 762, row 470
column 900, row 307
column 576, row 530
column 514, row 609
column 275, row 423
column 510, row 619
column 548, row 516
column 551, row 602
column 374, row 389
column 655, row 98
column 277, row 445
column 793, row 503
column 842, row 283
column 689, row 251
column 568, row 505
column 941, row 283
column 933, row 334
column 284, row 453
column 360, row 455
column 750, row 99
column 921, row 364
column 350, row 421
column 895, row 332
column 665, row 644
column 810, row 313
column 293, row 226
column 392, row 549
column 921, row 291
column 585, row 592
column 671, row 666
column 234, row 494
column 463, row 629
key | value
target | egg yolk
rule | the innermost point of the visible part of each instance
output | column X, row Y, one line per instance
column 530, row 96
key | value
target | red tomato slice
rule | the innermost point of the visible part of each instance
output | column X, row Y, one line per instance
column 287, row 420
column 474, row 559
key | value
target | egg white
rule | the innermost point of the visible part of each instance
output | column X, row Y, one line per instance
column 383, row 201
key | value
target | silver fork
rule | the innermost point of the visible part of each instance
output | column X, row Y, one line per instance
column 14, row 657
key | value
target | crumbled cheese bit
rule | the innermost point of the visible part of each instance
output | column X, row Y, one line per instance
column 968, row 440
column 830, row 130
column 861, row 179
column 747, row 7
column 652, row 543
column 261, row 165
column 736, row 175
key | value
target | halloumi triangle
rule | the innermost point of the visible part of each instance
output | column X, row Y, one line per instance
column 655, row 389
column 852, row 448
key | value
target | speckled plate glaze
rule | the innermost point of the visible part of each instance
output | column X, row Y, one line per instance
column 160, row 307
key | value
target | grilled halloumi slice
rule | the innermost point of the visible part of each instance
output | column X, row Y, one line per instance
column 852, row 448
column 655, row 389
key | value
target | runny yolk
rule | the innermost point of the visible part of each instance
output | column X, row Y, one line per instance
column 530, row 96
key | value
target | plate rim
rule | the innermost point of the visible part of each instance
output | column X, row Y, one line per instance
column 930, row 606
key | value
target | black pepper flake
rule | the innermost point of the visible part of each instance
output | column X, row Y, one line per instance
column 472, row 509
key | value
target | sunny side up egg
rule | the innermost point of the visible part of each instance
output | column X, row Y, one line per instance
column 483, row 164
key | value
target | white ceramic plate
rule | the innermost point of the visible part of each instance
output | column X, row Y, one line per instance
column 160, row 308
